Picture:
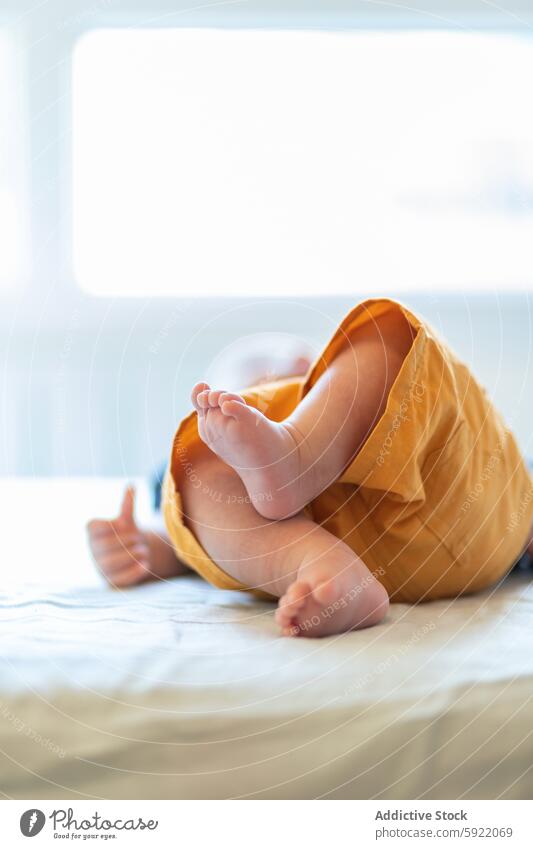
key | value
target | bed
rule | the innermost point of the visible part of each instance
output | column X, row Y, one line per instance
column 179, row 690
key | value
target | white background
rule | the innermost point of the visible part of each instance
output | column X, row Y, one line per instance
column 206, row 824
column 95, row 385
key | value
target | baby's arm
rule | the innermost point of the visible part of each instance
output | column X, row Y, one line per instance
column 126, row 554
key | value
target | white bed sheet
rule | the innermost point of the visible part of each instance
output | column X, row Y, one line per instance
column 179, row 690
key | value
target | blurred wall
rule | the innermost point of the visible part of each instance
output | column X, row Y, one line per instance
column 96, row 385
column 103, row 394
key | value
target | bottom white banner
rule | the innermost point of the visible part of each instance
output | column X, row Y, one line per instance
column 263, row 823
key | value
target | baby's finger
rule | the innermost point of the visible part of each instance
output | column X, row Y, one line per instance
column 134, row 575
column 117, row 560
column 114, row 542
column 128, row 506
column 99, row 527
column 110, row 528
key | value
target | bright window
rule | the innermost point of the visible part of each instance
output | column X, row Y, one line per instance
column 12, row 150
column 285, row 162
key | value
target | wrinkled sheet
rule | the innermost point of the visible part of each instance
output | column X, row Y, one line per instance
column 178, row 690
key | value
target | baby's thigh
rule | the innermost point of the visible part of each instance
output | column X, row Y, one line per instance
column 215, row 501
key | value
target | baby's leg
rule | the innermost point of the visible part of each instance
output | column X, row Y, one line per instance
column 323, row 587
column 285, row 465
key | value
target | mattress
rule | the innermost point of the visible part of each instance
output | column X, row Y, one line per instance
column 179, row 690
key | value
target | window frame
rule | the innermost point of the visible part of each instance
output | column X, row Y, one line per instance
column 45, row 40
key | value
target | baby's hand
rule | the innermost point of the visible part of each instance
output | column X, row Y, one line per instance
column 120, row 548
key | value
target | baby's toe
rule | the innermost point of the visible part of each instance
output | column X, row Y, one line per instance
column 290, row 605
column 214, row 397
column 326, row 592
column 288, row 625
column 202, row 400
column 280, row 618
column 230, row 396
column 197, row 389
column 299, row 593
column 239, row 409
column 284, row 613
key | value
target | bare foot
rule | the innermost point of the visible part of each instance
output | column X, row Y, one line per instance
column 265, row 454
column 332, row 594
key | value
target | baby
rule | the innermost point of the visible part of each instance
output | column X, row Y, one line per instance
column 385, row 474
